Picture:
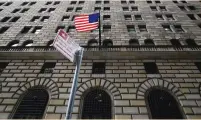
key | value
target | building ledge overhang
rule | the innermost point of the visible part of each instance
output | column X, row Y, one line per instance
column 112, row 52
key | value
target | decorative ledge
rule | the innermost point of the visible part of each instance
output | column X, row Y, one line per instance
column 112, row 52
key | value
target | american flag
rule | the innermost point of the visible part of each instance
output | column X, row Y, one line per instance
column 86, row 22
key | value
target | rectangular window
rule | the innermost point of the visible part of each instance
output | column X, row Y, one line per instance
column 157, row 2
column 174, row 1
column 106, row 17
column 48, row 67
column 131, row 1
column 134, row 8
column 123, row 2
column 8, row 3
column 96, row 9
column 42, row 10
column 98, row 2
column 199, row 15
column 127, row 17
column 24, row 10
column 106, row 28
column 25, row 29
column 149, row 1
column 167, row 28
column 32, row 3
column 16, row 10
column 192, row 7
column 37, row 29
column 1, row 10
column 65, row 18
column 3, row 66
column 5, row 19
column 125, row 8
column 48, row 3
column 198, row 65
column 106, row 2
column 1, row 3
column 191, row 16
column 3, row 29
column 78, row 9
column 151, row 68
column 142, row 28
column 24, row 3
column 106, row 8
column 81, row 2
column 14, row 19
column 35, row 18
column 138, row 17
column 183, row 1
column 199, row 25
column 178, row 28
column 170, row 17
column 153, row 8
column 73, row 18
column 56, row 2
column 159, row 17
column 162, row 8
column 71, row 29
column 130, row 28
column 51, row 10
column 73, row 2
column 182, row 8
column 98, row 68
column 70, row 9
column 45, row 18
column 59, row 27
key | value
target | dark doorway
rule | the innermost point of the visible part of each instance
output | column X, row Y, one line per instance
column 33, row 104
column 97, row 105
column 163, row 105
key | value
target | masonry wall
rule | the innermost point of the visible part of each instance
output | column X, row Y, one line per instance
column 125, row 80
column 118, row 33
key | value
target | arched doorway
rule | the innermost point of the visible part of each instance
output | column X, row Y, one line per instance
column 163, row 105
column 97, row 105
column 32, row 105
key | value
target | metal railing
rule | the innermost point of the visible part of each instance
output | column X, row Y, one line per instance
column 105, row 48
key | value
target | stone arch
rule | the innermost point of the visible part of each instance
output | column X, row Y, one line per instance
column 146, row 85
column 101, row 83
column 45, row 83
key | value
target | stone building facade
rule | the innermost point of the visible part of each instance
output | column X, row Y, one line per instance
column 139, row 57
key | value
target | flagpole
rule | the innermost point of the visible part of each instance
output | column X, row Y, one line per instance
column 99, row 30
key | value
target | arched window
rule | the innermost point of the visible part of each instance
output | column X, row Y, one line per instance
column 97, row 105
column 13, row 43
column 27, row 43
column 191, row 42
column 149, row 42
column 133, row 42
column 163, row 105
column 32, row 105
column 175, row 43
column 50, row 43
column 92, row 42
column 107, row 42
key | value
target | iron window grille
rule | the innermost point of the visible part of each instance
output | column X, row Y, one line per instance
column 98, row 68
column 97, row 105
column 32, row 105
column 198, row 65
column 3, row 29
column 48, row 67
column 3, row 66
column 163, row 105
column 151, row 68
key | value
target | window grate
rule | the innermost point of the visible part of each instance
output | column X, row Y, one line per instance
column 97, row 105
column 151, row 68
column 163, row 105
column 98, row 68
column 32, row 105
